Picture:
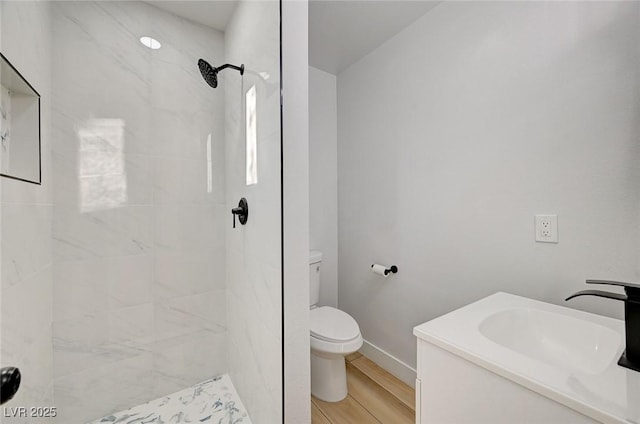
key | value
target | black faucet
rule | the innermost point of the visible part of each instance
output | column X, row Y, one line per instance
column 631, row 356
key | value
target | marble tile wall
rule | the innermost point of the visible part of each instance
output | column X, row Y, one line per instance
column 139, row 299
column 25, row 221
column 254, row 250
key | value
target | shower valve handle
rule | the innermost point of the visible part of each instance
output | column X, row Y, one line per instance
column 242, row 211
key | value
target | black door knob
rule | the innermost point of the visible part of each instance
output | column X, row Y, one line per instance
column 9, row 383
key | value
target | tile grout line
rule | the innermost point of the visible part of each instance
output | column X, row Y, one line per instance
column 322, row 412
column 403, row 404
column 354, row 363
column 365, row 408
column 354, row 400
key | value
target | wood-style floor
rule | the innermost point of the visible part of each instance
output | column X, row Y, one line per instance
column 375, row 396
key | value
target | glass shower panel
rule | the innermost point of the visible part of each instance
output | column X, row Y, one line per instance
column 144, row 289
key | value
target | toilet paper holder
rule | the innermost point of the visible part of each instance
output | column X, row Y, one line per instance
column 392, row 269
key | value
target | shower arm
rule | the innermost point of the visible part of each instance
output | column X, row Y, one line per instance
column 228, row 65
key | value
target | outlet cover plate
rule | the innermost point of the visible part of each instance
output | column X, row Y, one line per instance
column 547, row 228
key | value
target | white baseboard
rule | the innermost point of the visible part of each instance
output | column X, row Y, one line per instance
column 390, row 363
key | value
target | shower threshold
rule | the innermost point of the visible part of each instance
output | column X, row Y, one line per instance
column 212, row 401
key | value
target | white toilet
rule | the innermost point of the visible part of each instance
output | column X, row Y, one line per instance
column 334, row 335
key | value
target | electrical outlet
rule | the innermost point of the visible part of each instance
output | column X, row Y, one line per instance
column 547, row 228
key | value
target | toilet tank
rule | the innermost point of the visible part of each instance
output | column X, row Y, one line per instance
column 315, row 259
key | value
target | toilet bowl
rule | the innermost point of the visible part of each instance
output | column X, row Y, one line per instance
column 334, row 335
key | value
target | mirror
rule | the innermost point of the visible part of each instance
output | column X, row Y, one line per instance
column 19, row 126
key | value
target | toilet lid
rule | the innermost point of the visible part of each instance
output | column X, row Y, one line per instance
column 333, row 325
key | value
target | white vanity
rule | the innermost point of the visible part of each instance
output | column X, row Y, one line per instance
column 509, row 359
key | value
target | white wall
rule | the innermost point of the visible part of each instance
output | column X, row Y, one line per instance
column 25, row 228
column 139, row 250
column 457, row 131
column 254, row 271
column 323, row 179
column 295, row 133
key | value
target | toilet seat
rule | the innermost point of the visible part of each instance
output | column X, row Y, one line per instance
column 333, row 332
column 327, row 349
column 333, row 325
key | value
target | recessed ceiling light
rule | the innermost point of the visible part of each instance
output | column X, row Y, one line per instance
column 152, row 43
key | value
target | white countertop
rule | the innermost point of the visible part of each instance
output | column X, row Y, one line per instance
column 611, row 396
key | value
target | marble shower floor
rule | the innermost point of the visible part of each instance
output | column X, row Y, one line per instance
column 213, row 401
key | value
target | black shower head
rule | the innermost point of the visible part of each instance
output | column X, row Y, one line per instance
column 210, row 73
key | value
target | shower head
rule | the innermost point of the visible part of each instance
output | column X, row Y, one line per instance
column 210, row 73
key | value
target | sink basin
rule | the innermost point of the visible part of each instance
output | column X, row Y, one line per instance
column 562, row 354
column 558, row 340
